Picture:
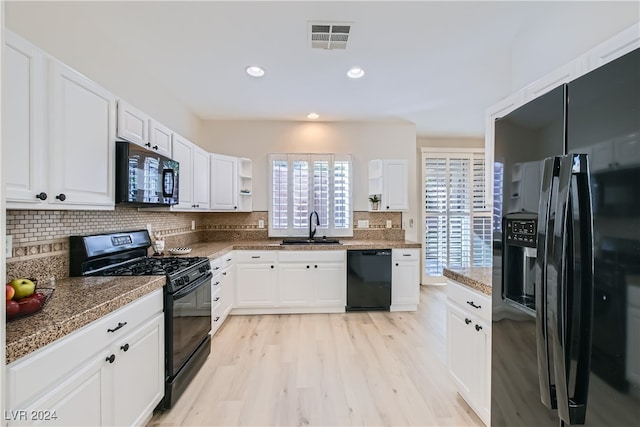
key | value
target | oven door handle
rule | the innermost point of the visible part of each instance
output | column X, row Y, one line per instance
column 183, row 292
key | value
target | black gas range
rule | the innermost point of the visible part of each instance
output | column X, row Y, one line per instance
column 187, row 296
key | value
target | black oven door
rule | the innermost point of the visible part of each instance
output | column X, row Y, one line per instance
column 188, row 323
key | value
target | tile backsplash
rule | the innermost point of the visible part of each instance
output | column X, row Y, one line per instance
column 41, row 237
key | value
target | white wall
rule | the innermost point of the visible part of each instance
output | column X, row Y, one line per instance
column 89, row 51
column 365, row 140
column 537, row 50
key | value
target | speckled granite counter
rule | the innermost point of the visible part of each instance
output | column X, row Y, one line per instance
column 76, row 302
column 478, row 278
column 216, row 249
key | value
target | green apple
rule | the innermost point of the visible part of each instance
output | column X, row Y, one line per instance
column 23, row 288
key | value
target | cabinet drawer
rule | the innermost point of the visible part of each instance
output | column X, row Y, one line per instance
column 405, row 254
column 312, row 256
column 36, row 372
column 226, row 260
column 256, row 256
column 216, row 265
column 472, row 301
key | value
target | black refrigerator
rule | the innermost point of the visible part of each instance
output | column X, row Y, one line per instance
column 566, row 271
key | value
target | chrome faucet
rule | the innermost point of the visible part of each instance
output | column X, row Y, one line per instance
column 312, row 226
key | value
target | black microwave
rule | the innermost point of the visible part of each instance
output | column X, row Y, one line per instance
column 145, row 177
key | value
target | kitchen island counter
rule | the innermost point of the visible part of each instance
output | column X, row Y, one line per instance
column 478, row 278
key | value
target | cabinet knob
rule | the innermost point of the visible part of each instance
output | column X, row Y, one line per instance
column 155, row 147
column 235, row 207
column 111, row 358
column 216, row 319
column 397, row 264
column 478, row 328
column 315, row 266
column 41, row 196
column 272, row 266
column 467, row 321
column 216, row 299
column 217, row 283
column 387, row 207
column 61, row 197
column 125, row 347
column 148, row 144
column 307, row 266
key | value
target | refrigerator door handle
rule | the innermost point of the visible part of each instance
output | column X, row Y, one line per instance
column 544, row 233
column 572, row 293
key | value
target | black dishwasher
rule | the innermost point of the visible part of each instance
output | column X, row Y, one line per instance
column 369, row 280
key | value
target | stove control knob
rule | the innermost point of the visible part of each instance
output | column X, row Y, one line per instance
column 186, row 279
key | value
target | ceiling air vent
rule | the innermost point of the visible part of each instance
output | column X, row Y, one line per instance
column 328, row 35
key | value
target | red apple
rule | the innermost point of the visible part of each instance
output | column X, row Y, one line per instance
column 29, row 305
column 10, row 292
column 12, row 310
column 40, row 297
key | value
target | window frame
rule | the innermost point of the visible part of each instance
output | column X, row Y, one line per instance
column 330, row 230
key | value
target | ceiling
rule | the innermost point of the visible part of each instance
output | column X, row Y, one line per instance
column 436, row 64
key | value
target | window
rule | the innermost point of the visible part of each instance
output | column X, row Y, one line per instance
column 457, row 218
column 303, row 183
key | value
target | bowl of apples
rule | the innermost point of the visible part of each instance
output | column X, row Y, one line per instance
column 25, row 298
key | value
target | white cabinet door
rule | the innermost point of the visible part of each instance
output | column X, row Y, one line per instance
column 139, row 357
column 182, row 153
column 330, row 284
column 160, row 138
column 77, row 401
column 295, row 284
column 200, row 178
column 256, row 285
column 133, row 124
column 395, row 187
column 460, row 349
column 405, row 279
column 23, row 123
column 224, row 178
column 83, row 128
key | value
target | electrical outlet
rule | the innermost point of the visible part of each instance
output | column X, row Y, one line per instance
column 261, row 223
column 193, row 224
column 389, row 225
column 9, row 245
column 363, row 223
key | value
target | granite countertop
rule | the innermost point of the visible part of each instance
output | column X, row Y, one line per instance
column 77, row 301
column 478, row 278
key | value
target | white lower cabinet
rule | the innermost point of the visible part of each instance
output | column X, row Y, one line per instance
column 222, row 289
column 85, row 378
column 256, row 279
column 310, row 279
column 405, row 279
column 469, row 346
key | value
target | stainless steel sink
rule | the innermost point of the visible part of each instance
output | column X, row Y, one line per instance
column 317, row 241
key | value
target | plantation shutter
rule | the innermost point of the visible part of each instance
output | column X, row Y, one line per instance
column 457, row 219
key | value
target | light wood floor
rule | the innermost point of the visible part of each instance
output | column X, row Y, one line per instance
column 367, row 369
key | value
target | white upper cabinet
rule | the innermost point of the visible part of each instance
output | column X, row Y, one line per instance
column 58, row 135
column 159, row 138
column 224, row 182
column 182, row 153
column 193, row 179
column 133, row 124
column 389, row 179
column 83, row 130
column 23, row 125
column 200, row 178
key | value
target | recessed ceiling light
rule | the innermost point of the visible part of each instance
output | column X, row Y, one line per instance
column 355, row 72
column 312, row 116
column 255, row 71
